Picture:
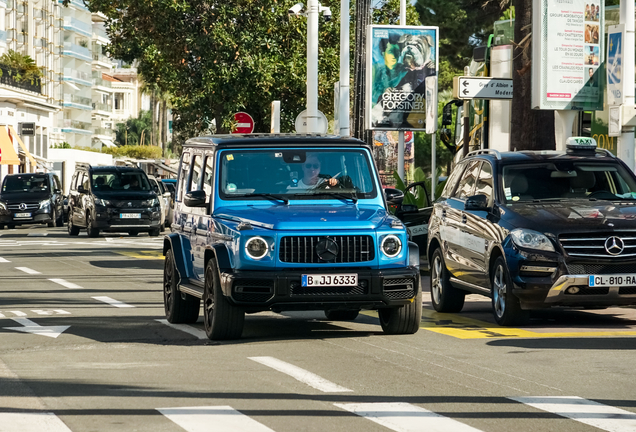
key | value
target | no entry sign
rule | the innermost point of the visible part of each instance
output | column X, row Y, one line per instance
column 244, row 123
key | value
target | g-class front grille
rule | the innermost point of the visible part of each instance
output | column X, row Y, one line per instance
column 326, row 249
column 600, row 245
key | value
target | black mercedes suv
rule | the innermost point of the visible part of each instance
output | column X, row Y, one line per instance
column 31, row 198
column 535, row 229
column 112, row 199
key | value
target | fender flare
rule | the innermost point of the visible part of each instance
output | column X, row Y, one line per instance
column 180, row 252
column 414, row 254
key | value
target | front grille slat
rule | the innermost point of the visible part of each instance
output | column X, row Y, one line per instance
column 592, row 245
column 302, row 249
column 29, row 206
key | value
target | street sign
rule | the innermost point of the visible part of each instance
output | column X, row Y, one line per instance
column 482, row 88
column 301, row 123
column 615, row 45
column 26, row 129
column 244, row 123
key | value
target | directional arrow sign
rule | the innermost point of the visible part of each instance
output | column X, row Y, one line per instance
column 31, row 327
column 484, row 88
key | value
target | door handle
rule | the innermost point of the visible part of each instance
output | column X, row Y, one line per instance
column 444, row 213
column 464, row 219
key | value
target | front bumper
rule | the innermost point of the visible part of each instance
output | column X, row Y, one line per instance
column 109, row 220
column 259, row 291
column 8, row 217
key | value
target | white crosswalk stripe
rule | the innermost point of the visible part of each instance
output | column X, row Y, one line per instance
column 604, row 417
column 27, row 270
column 66, row 284
column 31, row 422
column 301, row 375
column 39, row 234
column 185, row 328
column 212, row 418
column 3, row 260
column 404, row 417
column 112, row 302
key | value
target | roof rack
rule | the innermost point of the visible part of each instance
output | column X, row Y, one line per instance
column 485, row 151
column 605, row 152
column 82, row 164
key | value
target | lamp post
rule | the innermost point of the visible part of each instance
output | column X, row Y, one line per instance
column 313, row 9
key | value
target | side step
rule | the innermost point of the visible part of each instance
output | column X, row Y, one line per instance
column 192, row 289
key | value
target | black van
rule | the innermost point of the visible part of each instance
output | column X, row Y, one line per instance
column 112, row 199
column 31, row 198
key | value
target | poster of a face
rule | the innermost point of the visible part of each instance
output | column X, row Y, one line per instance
column 399, row 58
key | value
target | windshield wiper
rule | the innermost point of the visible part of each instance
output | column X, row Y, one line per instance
column 341, row 195
column 262, row 195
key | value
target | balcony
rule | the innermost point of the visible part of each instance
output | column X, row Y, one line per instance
column 98, row 106
column 104, row 132
column 101, row 58
column 99, row 32
column 99, row 81
column 40, row 43
column 79, row 4
column 79, row 52
column 81, row 77
column 73, row 24
column 77, row 126
column 3, row 34
column 7, row 78
column 73, row 99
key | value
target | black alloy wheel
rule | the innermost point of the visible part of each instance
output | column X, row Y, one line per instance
column 180, row 308
column 222, row 320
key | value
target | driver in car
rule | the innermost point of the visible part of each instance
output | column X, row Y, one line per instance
column 311, row 174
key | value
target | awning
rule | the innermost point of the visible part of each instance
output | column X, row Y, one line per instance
column 9, row 156
column 108, row 143
column 24, row 149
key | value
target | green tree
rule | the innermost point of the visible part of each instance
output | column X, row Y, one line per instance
column 131, row 132
column 216, row 58
column 22, row 66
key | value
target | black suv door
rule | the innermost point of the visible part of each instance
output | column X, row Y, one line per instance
column 415, row 211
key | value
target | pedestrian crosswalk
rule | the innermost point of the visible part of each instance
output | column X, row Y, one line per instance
column 394, row 416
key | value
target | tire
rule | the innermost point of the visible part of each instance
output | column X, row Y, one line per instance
column 180, row 308
column 341, row 315
column 444, row 296
column 221, row 319
column 10, row 226
column 154, row 232
column 404, row 319
column 59, row 221
column 505, row 306
column 133, row 233
column 72, row 229
column 53, row 219
column 90, row 230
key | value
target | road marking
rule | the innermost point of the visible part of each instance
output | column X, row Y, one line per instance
column 185, row 328
column 18, row 313
column 31, row 422
column 66, row 284
column 216, row 418
column 4, row 260
column 591, row 413
column 27, row 270
column 404, row 417
column 156, row 254
column 113, row 302
column 2, row 315
column 61, row 312
column 31, row 327
column 37, row 234
column 301, row 375
column 462, row 327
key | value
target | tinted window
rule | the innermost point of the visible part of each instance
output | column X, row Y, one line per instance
column 106, row 181
column 468, row 180
column 452, row 180
column 74, row 181
column 208, row 177
column 196, row 173
column 484, row 182
column 57, row 183
column 184, row 175
column 26, row 183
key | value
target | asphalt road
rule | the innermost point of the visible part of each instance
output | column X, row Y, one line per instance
column 83, row 348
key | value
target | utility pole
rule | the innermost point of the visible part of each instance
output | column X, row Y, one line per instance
column 400, row 167
column 343, row 120
column 626, row 140
column 313, row 9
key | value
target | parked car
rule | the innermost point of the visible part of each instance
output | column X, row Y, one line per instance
column 286, row 222
column 112, row 199
column 534, row 230
column 165, row 200
column 31, row 198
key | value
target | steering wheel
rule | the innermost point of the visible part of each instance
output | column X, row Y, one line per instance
column 602, row 194
column 325, row 184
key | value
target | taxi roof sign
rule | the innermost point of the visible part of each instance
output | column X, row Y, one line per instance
column 581, row 143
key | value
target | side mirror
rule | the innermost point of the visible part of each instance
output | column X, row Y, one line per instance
column 57, row 191
column 81, row 189
column 394, row 196
column 476, row 202
column 408, row 208
column 195, row 198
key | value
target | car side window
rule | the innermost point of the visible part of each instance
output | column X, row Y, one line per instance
column 196, row 173
column 208, row 177
column 484, row 182
column 452, row 180
column 85, row 182
column 467, row 183
column 184, row 175
column 74, row 182
column 80, row 179
column 57, row 184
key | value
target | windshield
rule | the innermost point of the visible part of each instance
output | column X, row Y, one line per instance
column 25, row 183
column 296, row 174
column 566, row 180
column 108, row 181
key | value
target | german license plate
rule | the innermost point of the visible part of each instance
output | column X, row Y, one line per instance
column 350, row 279
column 130, row 215
column 21, row 215
column 612, row 280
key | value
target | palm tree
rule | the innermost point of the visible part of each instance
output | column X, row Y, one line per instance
column 158, row 103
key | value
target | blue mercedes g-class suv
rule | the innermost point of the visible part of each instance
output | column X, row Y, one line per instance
column 285, row 222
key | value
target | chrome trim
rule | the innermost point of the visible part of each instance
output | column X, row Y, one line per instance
column 193, row 292
column 602, row 256
column 595, row 239
column 485, row 151
column 557, row 292
column 486, row 291
column 538, row 269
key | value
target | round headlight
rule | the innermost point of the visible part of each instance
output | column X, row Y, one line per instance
column 391, row 246
column 256, row 248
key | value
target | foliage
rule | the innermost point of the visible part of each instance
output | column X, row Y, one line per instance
column 419, row 198
column 23, row 66
column 387, row 12
column 216, row 58
column 130, row 133
column 134, row 151
column 63, row 145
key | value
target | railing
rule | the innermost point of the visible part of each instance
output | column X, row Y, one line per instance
column 7, row 79
column 39, row 14
column 99, row 81
column 40, row 43
column 76, row 51
column 71, row 23
column 80, row 100
column 74, row 124
column 3, row 34
column 102, row 107
column 98, row 30
column 101, row 58
column 104, row 132
column 74, row 73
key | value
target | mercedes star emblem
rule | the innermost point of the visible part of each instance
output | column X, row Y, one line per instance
column 129, row 204
column 614, row 245
column 22, row 206
column 327, row 249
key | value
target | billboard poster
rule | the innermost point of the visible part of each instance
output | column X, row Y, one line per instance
column 568, row 54
column 399, row 58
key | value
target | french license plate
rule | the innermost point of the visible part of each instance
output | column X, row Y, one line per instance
column 612, row 280
column 21, row 215
column 130, row 215
column 350, row 279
